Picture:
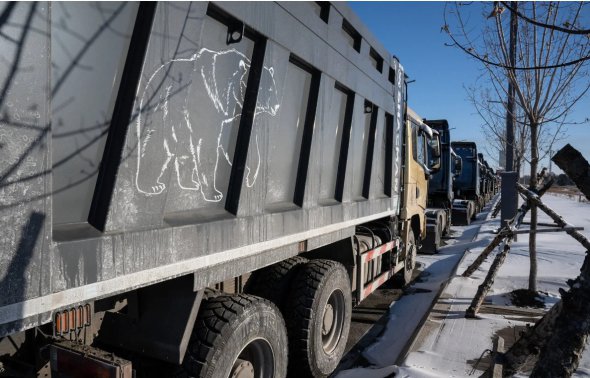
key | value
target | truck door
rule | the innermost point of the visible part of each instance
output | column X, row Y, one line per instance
column 419, row 165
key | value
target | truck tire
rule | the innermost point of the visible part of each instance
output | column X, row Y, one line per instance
column 273, row 282
column 237, row 335
column 476, row 210
column 409, row 259
column 447, row 229
column 461, row 217
column 318, row 318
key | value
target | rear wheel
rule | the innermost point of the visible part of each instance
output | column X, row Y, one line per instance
column 318, row 318
column 273, row 282
column 447, row 220
column 468, row 219
column 439, row 237
column 240, row 336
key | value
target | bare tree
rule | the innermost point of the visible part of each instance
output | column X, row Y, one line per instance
column 492, row 111
column 549, row 75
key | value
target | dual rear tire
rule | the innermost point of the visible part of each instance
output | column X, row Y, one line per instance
column 318, row 318
column 308, row 308
column 239, row 336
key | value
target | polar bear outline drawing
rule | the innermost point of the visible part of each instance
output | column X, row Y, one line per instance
column 167, row 130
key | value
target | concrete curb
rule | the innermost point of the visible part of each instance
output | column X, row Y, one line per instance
column 411, row 342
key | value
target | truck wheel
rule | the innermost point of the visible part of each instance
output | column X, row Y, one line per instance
column 237, row 336
column 273, row 282
column 441, row 229
column 318, row 318
column 468, row 218
column 447, row 229
column 410, row 259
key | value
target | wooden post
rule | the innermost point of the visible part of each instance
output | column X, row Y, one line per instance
column 562, row 333
column 484, row 254
column 563, row 350
column 575, row 166
column 504, row 232
column 532, row 197
column 487, row 283
column 496, row 360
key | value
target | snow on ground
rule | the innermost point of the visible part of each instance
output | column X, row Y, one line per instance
column 410, row 309
column 412, row 306
column 448, row 344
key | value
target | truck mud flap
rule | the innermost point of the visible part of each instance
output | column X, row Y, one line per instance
column 431, row 243
column 69, row 359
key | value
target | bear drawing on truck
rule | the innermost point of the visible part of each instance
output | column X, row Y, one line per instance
column 182, row 100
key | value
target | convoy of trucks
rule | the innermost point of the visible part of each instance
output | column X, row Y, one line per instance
column 476, row 184
column 455, row 194
column 193, row 185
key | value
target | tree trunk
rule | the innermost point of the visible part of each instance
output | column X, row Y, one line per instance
column 533, row 250
column 547, row 336
column 487, row 283
column 533, row 184
column 530, row 342
column 562, row 352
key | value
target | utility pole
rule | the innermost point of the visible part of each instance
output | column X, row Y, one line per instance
column 510, row 178
column 510, row 113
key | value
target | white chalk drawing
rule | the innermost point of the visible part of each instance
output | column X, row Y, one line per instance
column 168, row 124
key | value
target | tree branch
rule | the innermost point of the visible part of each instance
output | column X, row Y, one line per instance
column 543, row 25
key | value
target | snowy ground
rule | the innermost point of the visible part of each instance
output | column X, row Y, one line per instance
column 447, row 344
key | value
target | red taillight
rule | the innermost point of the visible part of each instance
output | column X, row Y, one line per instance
column 72, row 319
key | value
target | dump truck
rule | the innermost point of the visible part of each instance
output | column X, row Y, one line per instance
column 199, row 188
column 466, row 187
column 488, row 179
column 440, row 190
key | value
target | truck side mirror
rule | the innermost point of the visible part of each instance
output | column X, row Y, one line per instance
column 434, row 163
column 458, row 166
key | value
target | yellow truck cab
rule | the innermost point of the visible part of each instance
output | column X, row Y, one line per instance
column 419, row 138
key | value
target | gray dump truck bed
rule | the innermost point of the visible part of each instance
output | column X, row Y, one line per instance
column 142, row 142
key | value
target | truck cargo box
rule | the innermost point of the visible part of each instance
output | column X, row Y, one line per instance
column 141, row 142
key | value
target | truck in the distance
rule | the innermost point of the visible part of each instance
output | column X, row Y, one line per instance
column 188, row 188
column 488, row 178
column 466, row 187
column 440, row 190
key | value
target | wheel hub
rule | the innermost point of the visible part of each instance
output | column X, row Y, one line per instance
column 242, row 369
column 328, row 322
column 333, row 321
